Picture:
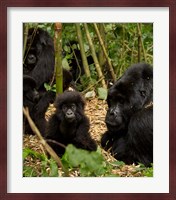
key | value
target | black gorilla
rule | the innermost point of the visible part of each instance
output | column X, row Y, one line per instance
column 39, row 59
column 69, row 125
column 36, row 104
column 129, row 118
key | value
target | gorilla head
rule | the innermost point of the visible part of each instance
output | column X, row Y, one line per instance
column 129, row 94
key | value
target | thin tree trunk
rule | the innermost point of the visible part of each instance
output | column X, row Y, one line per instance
column 58, row 58
column 101, row 57
column 100, row 74
column 140, row 41
column 83, row 55
column 25, row 36
column 105, row 53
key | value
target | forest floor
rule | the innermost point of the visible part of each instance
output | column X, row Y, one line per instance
column 95, row 110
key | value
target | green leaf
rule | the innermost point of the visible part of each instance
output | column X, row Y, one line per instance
column 89, row 163
column 118, row 163
column 54, row 168
column 102, row 93
column 30, row 152
column 29, row 171
column 47, row 86
column 65, row 64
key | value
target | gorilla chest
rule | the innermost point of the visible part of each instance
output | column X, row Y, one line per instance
column 68, row 130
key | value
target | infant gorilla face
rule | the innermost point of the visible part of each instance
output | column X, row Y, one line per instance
column 69, row 111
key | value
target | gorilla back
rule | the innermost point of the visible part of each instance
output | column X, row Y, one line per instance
column 129, row 118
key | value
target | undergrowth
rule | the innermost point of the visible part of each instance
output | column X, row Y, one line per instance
column 78, row 162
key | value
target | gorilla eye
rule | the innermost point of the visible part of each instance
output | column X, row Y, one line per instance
column 64, row 107
column 73, row 107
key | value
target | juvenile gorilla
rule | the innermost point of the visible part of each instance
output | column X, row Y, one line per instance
column 36, row 104
column 69, row 125
column 129, row 118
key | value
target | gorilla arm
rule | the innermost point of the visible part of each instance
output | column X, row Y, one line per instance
column 83, row 139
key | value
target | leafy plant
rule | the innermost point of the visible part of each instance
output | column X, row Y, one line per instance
column 33, row 171
column 50, row 88
column 146, row 171
column 88, row 163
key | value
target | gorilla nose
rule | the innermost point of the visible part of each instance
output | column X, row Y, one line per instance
column 111, row 111
column 69, row 114
column 31, row 56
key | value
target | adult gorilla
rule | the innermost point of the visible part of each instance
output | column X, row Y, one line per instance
column 39, row 59
column 129, row 118
column 39, row 56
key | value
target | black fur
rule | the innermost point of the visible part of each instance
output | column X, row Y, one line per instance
column 39, row 59
column 63, row 130
column 39, row 45
column 36, row 104
column 129, row 118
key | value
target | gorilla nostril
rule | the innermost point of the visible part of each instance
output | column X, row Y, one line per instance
column 31, row 56
column 111, row 111
column 69, row 113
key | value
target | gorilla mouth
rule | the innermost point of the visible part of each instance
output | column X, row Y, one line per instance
column 111, row 123
column 114, row 126
column 70, row 119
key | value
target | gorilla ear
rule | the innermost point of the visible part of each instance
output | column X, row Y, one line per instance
column 81, row 103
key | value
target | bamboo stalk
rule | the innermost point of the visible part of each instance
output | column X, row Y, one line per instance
column 105, row 53
column 97, row 66
column 26, row 27
column 58, row 58
column 83, row 55
column 140, row 42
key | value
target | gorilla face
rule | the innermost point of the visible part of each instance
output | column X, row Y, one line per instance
column 69, row 112
column 129, row 94
column 116, row 117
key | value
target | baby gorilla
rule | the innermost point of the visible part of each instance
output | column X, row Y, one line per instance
column 69, row 125
column 129, row 118
column 36, row 103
